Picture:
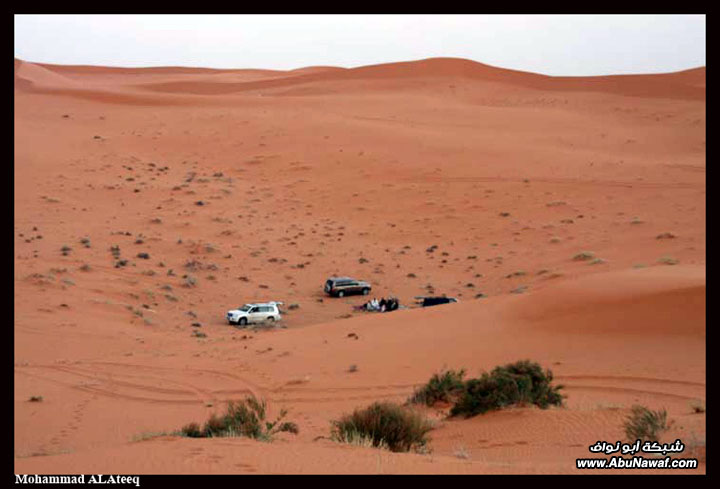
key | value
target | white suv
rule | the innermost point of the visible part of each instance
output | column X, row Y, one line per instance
column 254, row 313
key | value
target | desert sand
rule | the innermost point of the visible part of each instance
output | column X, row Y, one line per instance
column 440, row 176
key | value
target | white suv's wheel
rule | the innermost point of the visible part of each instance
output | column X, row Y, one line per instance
column 366, row 291
column 341, row 294
column 271, row 319
column 242, row 321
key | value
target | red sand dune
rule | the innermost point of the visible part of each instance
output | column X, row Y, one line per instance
column 440, row 176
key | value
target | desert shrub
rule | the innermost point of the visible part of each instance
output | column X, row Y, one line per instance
column 668, row 260
column 383, row 425
column 243, row 418
column 192, row 430
column 518, row 383
column 697, row 406
column 445, row 386
column 539, row 390
column 359, row 439
column 644, row 424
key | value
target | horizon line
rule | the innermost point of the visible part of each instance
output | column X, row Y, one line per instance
column 433, row 58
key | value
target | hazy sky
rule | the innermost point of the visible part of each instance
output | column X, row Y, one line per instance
column 549, row 44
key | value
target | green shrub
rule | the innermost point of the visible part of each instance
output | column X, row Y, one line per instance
column 518, row 383
column 644, row 424
column 192, row 430
column 383, row 425
column 668, row 260
column 242, row 418
column 445, row 386
column 538, row 390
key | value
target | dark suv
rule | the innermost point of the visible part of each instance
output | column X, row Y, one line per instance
column 436, row 301
column 342, row 286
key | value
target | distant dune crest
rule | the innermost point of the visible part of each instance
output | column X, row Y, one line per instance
column 688, row 84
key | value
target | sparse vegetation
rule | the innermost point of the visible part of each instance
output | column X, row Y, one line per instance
column 667, row 260
column 644, row 424
column 518, row 383
column 150, row 435
column 445, row 386
column 584, row 256
column 697, row 406
column 35, row 399
column 383, row 425
column 461, row 452
column 246, row 418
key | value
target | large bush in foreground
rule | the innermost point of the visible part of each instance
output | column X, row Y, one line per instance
column 445, row 386
column 242, row 418
column 518, row 383
column 383, row 425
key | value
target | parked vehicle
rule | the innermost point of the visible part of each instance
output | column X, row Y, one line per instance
column 342, row 286
column 435, row 301
column 254, row 313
